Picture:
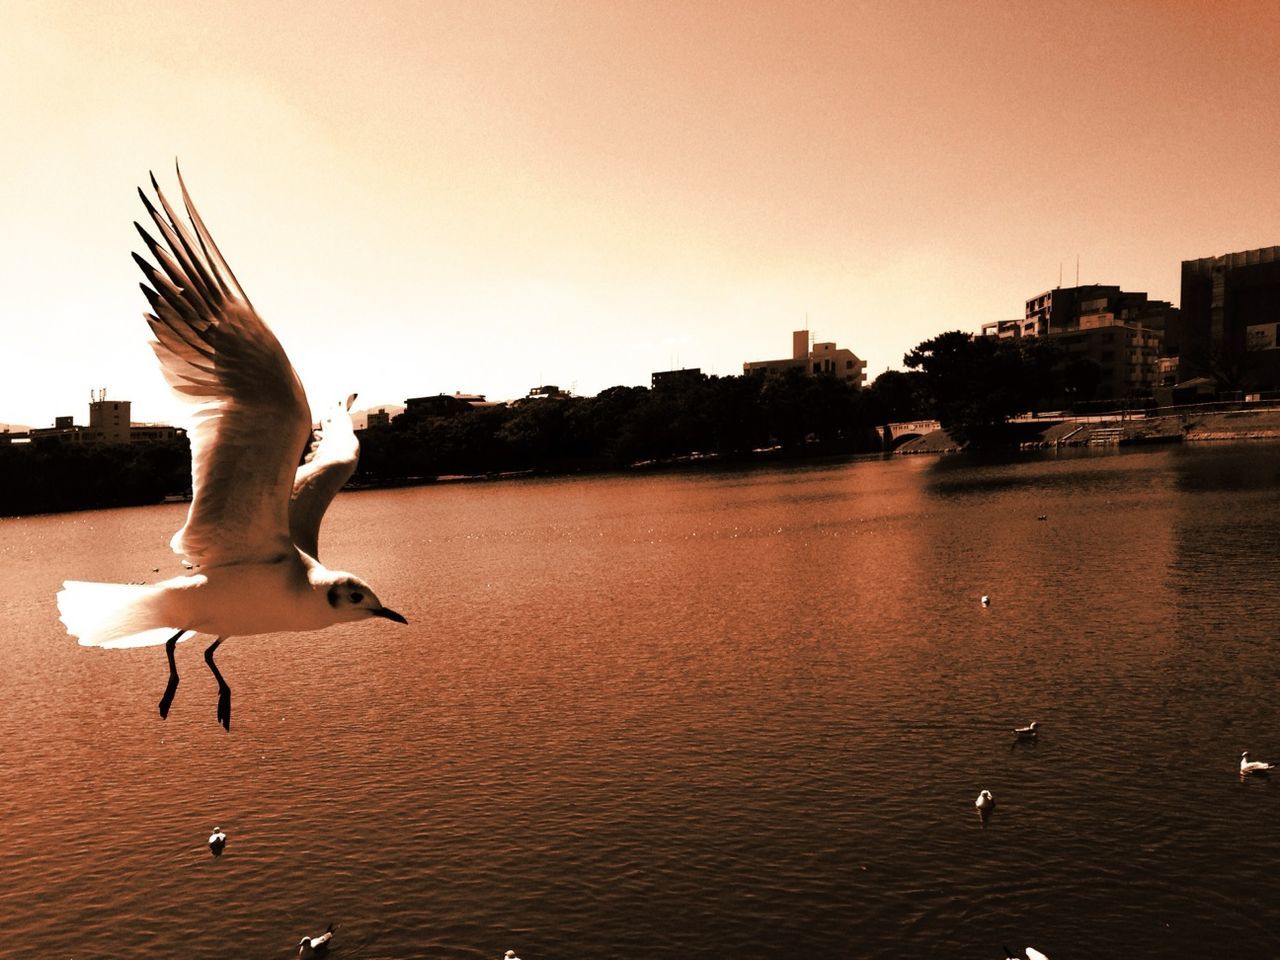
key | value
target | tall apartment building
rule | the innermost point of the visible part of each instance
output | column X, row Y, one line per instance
column 1227, row 328
column 1120, row 331
column 1093, row 305
column 823, row 359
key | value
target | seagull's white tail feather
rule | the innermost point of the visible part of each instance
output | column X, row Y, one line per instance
column 114, row 615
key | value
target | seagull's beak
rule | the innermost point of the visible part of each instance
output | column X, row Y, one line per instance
column 388, row 614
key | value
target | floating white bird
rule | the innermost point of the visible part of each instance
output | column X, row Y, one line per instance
column 311, row 946
column 217, row 840
column 1248, row 766
column 986, row 601
column 253, row 527
column 1029, row 732
column 1032, row 954
column 985, row 801
column 510, row 955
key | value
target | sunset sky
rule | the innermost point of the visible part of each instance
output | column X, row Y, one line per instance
column 481, row 197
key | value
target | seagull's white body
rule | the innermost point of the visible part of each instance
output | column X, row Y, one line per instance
column 985, row 801
column 252, row 531
column 986, row 600
column 510, row 955
column 1248, row 766
column 1029, row 732
column 217, row 840
column 310, row 946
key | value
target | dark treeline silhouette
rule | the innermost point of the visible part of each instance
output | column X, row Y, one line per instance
column 48, row 476
column 729, row 417
column 972, row 385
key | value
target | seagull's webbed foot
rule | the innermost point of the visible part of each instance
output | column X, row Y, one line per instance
column 224, row 691
column 167, row 700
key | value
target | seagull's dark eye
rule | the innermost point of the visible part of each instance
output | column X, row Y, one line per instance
column 356, row 596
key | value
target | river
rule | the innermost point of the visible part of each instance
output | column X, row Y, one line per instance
column 694, row 714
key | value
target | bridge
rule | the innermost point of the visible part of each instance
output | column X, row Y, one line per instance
column 896, row 434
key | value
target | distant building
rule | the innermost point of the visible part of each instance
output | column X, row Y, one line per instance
column 1126, row 357
column 378, row 418
column 154, row 433
column 823, row 359
column 1093, row 305
column 1120, row 331
column 1004, row 329
column 547, row 391
column 445, row 405
column 109, row 419
column 672, row 378
column 1227, row 328
column 108, row 423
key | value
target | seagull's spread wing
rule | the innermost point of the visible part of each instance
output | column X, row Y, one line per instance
column 330, row 463
column 251, row 420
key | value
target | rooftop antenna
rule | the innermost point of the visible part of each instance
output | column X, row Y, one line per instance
column 1077, row 269
column 1059, row 273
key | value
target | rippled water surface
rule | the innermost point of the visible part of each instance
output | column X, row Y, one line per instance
column 740, row 713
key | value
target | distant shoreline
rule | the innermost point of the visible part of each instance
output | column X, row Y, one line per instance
column 1238, row 426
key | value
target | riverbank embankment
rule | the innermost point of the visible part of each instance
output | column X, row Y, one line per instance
column 1180, row 428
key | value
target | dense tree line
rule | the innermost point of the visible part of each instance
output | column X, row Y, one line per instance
column 49, row 476
column 726, row 416
column 972, row 385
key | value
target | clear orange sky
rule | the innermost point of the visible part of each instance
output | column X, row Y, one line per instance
column 439, row 196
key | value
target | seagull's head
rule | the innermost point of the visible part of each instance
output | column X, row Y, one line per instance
column 350, row 598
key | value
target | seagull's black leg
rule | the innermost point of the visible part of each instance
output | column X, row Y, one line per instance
column 224, row 692
column 167, row 700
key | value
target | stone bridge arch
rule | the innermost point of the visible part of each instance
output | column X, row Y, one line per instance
column 895, row 435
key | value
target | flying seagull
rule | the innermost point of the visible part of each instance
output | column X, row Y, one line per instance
column 1248, row 766
column 252, row 532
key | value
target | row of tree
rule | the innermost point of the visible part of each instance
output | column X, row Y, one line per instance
column 972, row 385
column 49, row 476
column 621, row 426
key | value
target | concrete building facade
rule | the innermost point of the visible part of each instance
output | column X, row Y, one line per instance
column 109, row 422
column 822, row 359
column 1227, row 328
column 1120, row 331
column 445, row 405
